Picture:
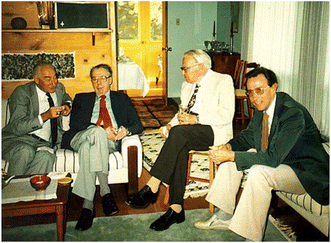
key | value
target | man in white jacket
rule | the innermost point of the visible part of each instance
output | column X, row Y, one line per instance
column 210, row 103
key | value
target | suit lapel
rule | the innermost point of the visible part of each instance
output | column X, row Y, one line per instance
column 90, row 104
column 275, row 120
column 34, row 99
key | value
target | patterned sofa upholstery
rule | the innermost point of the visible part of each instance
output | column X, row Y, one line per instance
column 125, row 167
column 317, row 214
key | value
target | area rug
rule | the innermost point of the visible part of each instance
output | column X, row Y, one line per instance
column 133, row 228
column 153, row 113
column 152, row 143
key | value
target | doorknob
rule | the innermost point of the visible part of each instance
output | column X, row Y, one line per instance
column 166, row 49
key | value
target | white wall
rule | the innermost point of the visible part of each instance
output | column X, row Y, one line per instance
column 196, row 26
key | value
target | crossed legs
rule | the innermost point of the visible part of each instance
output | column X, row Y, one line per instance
column 93, row 147
column 171, row 167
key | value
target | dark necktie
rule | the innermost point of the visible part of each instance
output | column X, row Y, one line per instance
column 53, row 121
column 193, row 98
column 265, row 132
column 104, row 116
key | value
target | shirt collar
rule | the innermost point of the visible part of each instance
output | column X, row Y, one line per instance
column 271, row 109
column 40, row 92
column 106, row 94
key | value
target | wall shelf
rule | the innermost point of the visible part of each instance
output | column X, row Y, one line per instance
column 57, row 30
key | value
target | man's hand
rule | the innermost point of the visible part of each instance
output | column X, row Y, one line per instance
column 111, row 133
column 66, row 110
column 187, row 119
column 121, row 133
column 53, row 112
column 221, row 153
column 164, row 131
column 223, row 147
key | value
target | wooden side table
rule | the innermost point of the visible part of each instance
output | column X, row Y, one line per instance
column 57, row 206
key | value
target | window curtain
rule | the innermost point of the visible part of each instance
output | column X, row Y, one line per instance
column 292, row 39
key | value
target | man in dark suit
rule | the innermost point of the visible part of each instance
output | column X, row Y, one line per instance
column 34, row 126
column 99, row 121
column 290, row 159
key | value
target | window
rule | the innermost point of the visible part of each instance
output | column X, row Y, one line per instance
column 156, row 21
column 128, row 23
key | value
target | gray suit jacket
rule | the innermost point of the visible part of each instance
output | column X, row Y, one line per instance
column 24, row 110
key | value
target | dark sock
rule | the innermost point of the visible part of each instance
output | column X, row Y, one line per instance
column 88, row 204
column 103, row 180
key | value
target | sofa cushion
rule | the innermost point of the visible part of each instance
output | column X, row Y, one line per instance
column 305, row 201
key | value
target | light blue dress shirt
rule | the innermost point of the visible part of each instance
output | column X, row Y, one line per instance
column 96, row 109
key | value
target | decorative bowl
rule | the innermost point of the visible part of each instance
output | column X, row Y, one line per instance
column 64, row 180
column 40, row 182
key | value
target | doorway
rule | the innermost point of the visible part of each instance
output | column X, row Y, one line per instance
column 140, row 38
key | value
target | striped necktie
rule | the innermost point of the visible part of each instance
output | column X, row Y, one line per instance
column 193, row 98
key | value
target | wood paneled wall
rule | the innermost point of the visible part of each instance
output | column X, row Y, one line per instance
column 87, row 55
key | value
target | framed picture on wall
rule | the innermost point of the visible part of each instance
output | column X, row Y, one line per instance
column 235, row 17
column 82, row 15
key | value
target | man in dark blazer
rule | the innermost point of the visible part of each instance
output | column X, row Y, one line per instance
column 292, row 159
column 94, row 137
column 27, row 138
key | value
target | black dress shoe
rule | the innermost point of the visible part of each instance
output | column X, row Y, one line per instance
column 109, row 205
column 143, row 198
column 85, row 220
column 167, row 219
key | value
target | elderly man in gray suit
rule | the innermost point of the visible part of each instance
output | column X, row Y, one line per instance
column 34, row 126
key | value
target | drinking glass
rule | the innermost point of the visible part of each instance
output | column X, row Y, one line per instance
column 182, row 110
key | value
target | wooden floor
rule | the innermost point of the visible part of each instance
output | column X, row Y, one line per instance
column 305, row 231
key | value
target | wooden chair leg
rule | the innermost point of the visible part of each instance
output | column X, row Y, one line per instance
column 211, row 179
column 132, row 170
column 242, row 112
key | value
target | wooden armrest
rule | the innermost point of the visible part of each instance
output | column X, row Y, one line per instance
column 198, row 152
column 132, row 170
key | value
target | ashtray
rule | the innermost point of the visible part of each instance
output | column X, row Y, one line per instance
column 40, row 182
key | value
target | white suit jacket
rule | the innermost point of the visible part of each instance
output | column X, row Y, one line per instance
column 218, row 105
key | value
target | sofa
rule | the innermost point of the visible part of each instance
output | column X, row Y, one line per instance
column 317, row 214
column 125, row 167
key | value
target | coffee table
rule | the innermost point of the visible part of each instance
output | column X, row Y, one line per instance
column 35, row 207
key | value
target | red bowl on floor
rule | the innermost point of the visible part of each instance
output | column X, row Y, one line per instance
column 40, row 182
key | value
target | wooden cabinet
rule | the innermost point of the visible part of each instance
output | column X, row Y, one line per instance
column 224, row 62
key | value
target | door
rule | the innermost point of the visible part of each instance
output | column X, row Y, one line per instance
column 141, row 32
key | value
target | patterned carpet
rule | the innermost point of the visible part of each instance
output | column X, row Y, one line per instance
column 152, row 143
column 153, row 113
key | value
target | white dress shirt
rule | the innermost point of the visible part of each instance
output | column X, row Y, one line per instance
column 45, row 131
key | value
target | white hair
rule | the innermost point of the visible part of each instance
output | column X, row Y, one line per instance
column 200, row 56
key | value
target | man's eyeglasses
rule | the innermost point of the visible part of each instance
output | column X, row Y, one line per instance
column 187, row 68
column 102, row 79
column 258, row 92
